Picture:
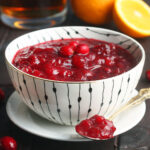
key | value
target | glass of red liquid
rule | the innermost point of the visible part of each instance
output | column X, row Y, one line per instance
column 33, row 14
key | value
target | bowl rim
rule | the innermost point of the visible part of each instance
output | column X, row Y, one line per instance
column 78, row 82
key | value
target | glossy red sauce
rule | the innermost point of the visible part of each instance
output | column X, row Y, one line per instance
column 96, row 127
column 74, row 60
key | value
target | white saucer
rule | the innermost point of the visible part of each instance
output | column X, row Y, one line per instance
column 27, row 120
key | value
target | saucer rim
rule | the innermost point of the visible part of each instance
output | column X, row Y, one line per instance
column 77, row 139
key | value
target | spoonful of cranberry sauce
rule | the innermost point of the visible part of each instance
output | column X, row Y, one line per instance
column 96, row 127
column 100, row 128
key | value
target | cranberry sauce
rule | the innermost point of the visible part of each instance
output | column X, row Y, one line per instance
column 74, row 60
column 96, row 127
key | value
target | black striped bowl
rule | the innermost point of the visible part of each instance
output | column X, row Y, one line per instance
column 67, row 103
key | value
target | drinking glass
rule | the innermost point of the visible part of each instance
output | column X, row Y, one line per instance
column 33, row 14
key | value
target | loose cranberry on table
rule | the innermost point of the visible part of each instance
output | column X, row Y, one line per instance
column 148, row 74
column 76, row 59
column 2, row 94
column 96, row 127
column 8, row 143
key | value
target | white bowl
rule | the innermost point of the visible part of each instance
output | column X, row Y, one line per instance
column 67, row 103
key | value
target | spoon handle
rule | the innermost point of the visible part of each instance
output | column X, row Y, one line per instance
column 143, row 95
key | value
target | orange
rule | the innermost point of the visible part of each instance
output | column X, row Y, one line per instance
column 93, row 11
column 132, row 17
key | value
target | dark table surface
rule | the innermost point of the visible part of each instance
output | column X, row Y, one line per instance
column 27, row 141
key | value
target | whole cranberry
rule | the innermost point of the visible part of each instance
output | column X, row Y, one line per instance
column 82, row 49
column 8, row 143
column 66, row 50
column 2, row 94
column 148, row 74
column 74, row 44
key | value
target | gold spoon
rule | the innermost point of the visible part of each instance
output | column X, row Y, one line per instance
column 143, row 95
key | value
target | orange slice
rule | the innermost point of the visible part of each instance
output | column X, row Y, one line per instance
column 132, row 17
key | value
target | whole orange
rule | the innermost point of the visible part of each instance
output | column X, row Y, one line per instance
column 93, row 11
